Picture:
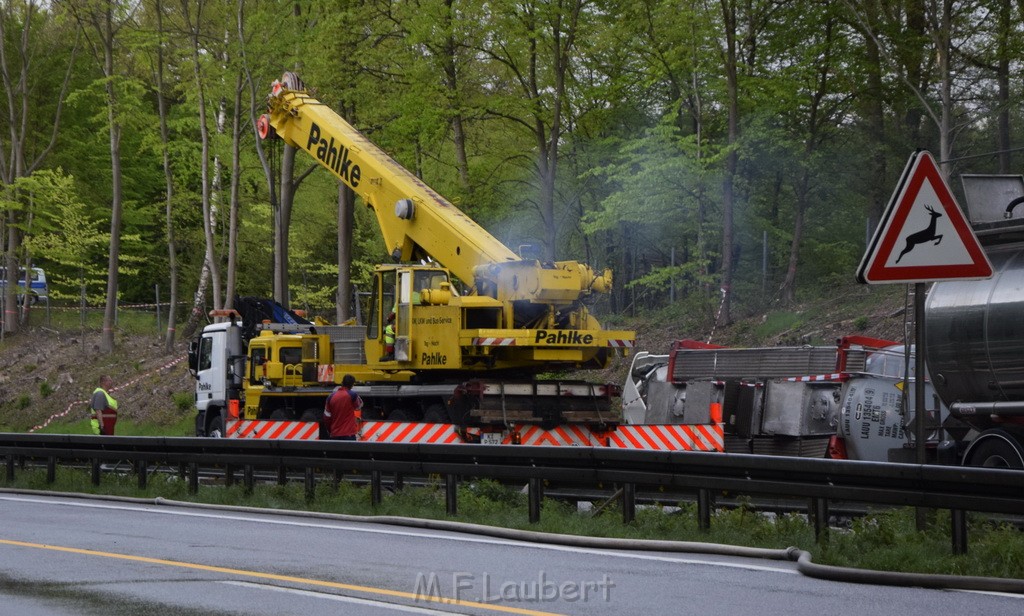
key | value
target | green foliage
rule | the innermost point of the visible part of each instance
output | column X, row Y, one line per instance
column 183, row 401
column 776, row 323
column 45, row 389
column 633, row 174
column 23, row 402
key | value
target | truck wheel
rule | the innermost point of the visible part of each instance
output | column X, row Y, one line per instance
column 435, row 413
column 997, row 449
column 312, row 414
column 400, row 415
column 216, row 429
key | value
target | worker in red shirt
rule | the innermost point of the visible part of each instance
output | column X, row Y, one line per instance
column 341, row 410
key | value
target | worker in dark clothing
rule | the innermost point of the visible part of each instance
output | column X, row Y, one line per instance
column 104, row 408
column 342, row 410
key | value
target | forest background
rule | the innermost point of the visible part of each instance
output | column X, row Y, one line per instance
column 720, row 157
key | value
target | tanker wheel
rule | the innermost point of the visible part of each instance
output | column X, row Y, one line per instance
column 998, row 449
column 216, row 428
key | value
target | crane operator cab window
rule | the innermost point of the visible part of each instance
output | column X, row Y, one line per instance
column 426, row 279
column 383, row 299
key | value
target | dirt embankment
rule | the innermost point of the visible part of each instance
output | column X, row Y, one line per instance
column 48, row 375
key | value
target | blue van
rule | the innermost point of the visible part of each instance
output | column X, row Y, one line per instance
column 38, row 289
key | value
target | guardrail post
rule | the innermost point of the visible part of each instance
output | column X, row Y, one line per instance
column 375, row 491
column 399, row 481
column 247, row 478
column 141, row 470
column 10, row 467
column 51, row 469
column 282, row 475
column 958, row 521
column 536, row 497
column 182, row 471
column 229, row 475
column 818, row 512
column 451, row 494
column 338, row 476
column 310, row 484
column 193, row 478
column 628, row 502
column 95, row 471
column 704, row 509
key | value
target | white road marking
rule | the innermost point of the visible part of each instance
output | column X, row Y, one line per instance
column 332, row 597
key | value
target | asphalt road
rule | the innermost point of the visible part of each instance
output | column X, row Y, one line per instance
column 66, row 556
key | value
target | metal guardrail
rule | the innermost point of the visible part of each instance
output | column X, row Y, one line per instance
column 958, row 489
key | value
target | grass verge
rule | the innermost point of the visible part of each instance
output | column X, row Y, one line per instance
column 886, row 541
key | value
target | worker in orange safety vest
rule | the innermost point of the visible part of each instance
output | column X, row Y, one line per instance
column 104, row 408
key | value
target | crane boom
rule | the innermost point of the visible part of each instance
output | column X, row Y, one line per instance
column 416, row 222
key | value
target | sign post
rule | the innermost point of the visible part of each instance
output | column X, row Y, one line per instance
column 922, row 237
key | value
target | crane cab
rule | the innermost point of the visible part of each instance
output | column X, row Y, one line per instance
column 426, row 322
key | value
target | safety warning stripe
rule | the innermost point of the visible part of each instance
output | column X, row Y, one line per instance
column 408, row 432
column 621, row 344
column 578, row 436
column 288, row 430
column 669, row 437
column 835, row 376
column 494, row 342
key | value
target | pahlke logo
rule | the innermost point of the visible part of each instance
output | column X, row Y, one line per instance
column 562, row 337
column 335, row 157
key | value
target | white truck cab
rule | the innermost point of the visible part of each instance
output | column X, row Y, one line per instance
column 217, row 361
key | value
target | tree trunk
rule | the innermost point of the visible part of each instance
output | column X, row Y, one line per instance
column 209, row 221
column 346, row 227
column 282, row 225
column 1003, row 80
column 449, row 58
column 110, row 310
column 236, row 175
column 731, row 161
column 172, row 248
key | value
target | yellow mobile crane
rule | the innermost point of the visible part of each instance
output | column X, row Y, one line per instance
column 468, row 357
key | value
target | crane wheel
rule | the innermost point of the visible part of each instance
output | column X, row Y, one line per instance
column 263, row 127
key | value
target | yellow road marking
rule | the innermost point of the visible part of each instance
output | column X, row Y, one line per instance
column 284, row 578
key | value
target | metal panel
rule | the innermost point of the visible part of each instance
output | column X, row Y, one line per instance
column 794, row 408
column 753, row 363
column 347, row 341
column 987, row 198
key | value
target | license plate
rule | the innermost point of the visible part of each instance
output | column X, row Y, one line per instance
column 491, row 438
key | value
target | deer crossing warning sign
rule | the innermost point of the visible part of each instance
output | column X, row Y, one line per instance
column 923, row 235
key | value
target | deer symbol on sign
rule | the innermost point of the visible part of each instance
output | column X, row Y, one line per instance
column 923, row 236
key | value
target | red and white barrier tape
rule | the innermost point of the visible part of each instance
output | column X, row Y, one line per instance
column 75, row 403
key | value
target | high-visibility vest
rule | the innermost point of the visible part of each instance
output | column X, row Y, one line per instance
column 102, row 415
column 389, row 334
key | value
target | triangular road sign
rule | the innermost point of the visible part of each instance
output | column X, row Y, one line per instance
column 923, row 235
